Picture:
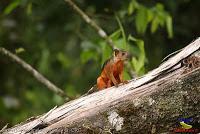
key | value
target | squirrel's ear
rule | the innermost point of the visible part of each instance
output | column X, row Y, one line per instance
column 116, row 52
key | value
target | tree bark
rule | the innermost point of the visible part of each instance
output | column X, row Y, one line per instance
column 152, row 103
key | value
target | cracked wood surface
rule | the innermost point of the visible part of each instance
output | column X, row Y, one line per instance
column 84, row 112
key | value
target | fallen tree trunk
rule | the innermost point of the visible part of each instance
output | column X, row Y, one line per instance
column 150, row 104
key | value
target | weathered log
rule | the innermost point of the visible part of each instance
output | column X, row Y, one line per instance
column 150, row 104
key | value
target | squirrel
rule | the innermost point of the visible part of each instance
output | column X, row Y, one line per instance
column 112, row 70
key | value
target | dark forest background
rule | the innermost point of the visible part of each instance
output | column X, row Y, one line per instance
column 55, row 40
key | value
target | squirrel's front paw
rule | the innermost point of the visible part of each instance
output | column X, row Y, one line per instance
column 117, row 85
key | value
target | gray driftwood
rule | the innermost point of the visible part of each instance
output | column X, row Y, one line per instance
column 151, row 104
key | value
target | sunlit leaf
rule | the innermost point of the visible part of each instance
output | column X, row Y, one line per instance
column 29, row 9
column 169, row 26
column 139, row 61
column 19, row 50
column 161, row 19
column 150, row 15
column 159, row 7
column 131, row 38
column 141, row 20
column 154, row 25
column 11, row 7
column 116, row 35
column 119, row 43
column 64, row 60
column 132, row 6
column 106, row 52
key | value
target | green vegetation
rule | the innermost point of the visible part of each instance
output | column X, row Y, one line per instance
column 55, row 40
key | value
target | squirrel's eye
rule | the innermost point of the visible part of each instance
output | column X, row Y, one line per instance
column 123, row 53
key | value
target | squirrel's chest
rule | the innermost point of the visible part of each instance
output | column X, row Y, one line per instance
column 118, row 68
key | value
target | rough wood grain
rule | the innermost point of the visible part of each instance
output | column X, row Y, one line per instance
column 152, row 103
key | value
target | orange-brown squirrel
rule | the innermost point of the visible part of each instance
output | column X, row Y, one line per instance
column 112, row 70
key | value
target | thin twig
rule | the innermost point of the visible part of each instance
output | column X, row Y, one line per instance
column 35, row 73
column 87, row 19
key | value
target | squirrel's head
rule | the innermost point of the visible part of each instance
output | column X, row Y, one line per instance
column 120, row 55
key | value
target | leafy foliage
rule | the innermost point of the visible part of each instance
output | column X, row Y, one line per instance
column 156, row 15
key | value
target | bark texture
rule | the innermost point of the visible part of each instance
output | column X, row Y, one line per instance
column 150, row 104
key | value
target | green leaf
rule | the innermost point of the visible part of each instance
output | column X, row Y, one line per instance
column 138, row 64
column 141, row 59
column 141, row 20
column 160, row 7
column 150, row 15
column 115, row 35
column 19, row 50
column 130, row 8
column 154, row 24
column 106, row 52
column 118, row 43
column 169, row 26
column 64, row 60
column 160, row 13
column 11, row 7
column 131, row 38
column 161, row 18
column 29, row 9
